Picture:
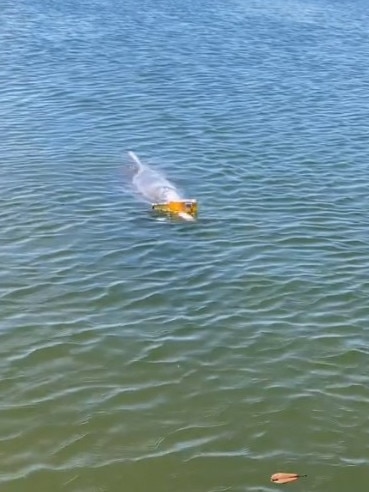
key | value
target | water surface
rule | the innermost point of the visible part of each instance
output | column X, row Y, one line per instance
column 138, row 354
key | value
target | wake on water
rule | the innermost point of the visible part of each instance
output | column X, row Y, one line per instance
column 153, row 186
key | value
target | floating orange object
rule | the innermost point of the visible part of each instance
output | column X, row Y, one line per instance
column 285, row 477
column 183, row 206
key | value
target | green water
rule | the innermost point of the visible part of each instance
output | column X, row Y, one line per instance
column 141, row 354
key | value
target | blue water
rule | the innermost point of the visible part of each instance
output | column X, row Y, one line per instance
column 142, row 353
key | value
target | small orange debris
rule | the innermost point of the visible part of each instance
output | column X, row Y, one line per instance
column 285, row 477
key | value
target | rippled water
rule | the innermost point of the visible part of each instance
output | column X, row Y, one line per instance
column 139, row 354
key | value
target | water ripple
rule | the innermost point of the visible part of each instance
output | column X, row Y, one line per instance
column 178, row 356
